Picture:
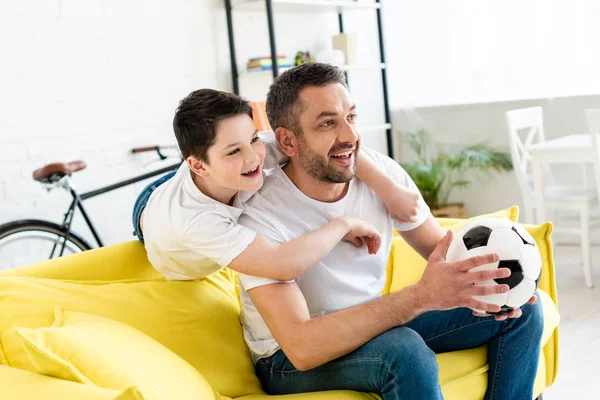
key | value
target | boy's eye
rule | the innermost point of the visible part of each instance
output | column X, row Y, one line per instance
column 234, row 152
column 255, row 140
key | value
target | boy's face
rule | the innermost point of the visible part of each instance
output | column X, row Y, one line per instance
column 237, row 155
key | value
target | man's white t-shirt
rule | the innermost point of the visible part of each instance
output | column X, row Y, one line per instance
column 348, row 276
column 189, row 235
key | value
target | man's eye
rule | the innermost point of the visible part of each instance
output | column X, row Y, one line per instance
column 352, row 117
column 234, row 152
column 327, row 123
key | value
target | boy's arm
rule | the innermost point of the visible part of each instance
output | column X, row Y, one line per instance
column 289, row 260
column 401, row 202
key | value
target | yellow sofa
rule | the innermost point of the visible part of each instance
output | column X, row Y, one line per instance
column 198, row 321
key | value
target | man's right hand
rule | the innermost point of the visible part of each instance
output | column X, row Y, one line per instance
column 447, row 285
column 361, row 229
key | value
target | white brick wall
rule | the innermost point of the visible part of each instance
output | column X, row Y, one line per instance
column 89, row 80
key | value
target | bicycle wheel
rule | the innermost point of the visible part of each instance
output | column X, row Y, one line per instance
column 29, row 241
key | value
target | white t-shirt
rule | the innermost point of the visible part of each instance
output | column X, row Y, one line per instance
column 348, row 276
column 189, row 235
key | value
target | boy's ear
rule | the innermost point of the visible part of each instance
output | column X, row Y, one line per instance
column 197, row 166
column 287, row 141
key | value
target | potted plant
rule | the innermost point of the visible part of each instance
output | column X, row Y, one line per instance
column 436, row 177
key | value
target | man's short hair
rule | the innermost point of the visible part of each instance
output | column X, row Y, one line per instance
column 283, row 102
column 196, row 119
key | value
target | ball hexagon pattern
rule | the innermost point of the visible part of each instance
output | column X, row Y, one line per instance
column 517, row 250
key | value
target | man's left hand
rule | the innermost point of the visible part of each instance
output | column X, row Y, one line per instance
column 516, row 313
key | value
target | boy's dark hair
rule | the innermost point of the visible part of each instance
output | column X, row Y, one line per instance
column 196, row 119
column 283, row 103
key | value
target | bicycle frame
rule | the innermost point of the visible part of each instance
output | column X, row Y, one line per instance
column 78, row 203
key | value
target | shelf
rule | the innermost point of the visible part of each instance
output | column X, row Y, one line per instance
column 295, row 5
column 370, row 128
column 269, row 74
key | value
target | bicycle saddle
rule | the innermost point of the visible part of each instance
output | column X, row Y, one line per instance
column 54, row 172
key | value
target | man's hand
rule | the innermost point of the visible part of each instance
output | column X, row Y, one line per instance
column 361, row 229
column 447, row 285
column 516, row 313
column 402, row 203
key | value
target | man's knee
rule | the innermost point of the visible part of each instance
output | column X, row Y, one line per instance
column 406, row 356
column 533, row 317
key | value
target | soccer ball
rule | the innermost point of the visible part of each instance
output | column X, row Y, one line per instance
column 517, row 251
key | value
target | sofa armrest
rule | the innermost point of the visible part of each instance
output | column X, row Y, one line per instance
column 542, row 235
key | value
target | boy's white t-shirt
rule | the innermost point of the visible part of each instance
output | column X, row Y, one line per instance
column 189, row 235
column 348, row 276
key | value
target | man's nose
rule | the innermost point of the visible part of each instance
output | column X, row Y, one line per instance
column 348, row 134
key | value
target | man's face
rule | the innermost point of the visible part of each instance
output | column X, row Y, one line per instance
column 328, row 144
column 237, row 155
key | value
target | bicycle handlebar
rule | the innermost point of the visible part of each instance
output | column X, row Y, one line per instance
column 156, row 148
column 143, row 149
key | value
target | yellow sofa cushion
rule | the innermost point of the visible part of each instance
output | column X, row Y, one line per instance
column 19, row 385
column 198, row 320
column 99, row 351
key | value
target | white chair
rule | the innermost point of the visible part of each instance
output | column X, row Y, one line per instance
column 557, row 198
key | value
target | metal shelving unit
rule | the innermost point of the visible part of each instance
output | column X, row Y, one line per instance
column 318, row 5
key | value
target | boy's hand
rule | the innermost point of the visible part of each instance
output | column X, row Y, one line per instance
column 360, row 229
column 402, row 203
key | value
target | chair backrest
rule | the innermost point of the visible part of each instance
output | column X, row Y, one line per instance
column 525, row 127
column 592, row 115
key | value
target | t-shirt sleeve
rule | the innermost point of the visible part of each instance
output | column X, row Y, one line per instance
column 275, row 155
column 265, row 229
column 399, row 175
column 218, row 237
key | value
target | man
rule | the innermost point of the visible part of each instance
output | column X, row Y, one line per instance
column 330, row 329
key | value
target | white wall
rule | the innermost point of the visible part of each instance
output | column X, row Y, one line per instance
column 472, row 51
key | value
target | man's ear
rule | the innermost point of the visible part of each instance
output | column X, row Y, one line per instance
column 287, row 141
column 197, row 166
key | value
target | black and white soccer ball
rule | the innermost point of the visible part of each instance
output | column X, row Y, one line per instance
column 517, row 251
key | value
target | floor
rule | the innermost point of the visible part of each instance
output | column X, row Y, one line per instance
column 579, row 365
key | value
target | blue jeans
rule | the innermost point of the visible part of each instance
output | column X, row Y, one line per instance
column 142, row 200
column 401, row 363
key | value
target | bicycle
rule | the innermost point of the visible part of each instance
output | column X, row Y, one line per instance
column 17, row 237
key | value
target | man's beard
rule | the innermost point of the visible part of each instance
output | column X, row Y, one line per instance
column 318, row 166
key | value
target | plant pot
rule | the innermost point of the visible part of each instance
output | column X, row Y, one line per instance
column 450, row 210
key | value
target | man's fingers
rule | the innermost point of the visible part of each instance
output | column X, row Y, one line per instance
column 439, row 253
column 487, row 275
column 477, row 261
column 487, row 290
column 480, row 305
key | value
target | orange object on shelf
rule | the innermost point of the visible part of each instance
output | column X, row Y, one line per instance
column 259, row 115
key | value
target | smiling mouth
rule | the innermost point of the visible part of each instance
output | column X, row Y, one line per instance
column 343, row 156
column 252, row 172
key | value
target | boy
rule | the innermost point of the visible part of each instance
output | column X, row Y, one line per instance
column 189, row 217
